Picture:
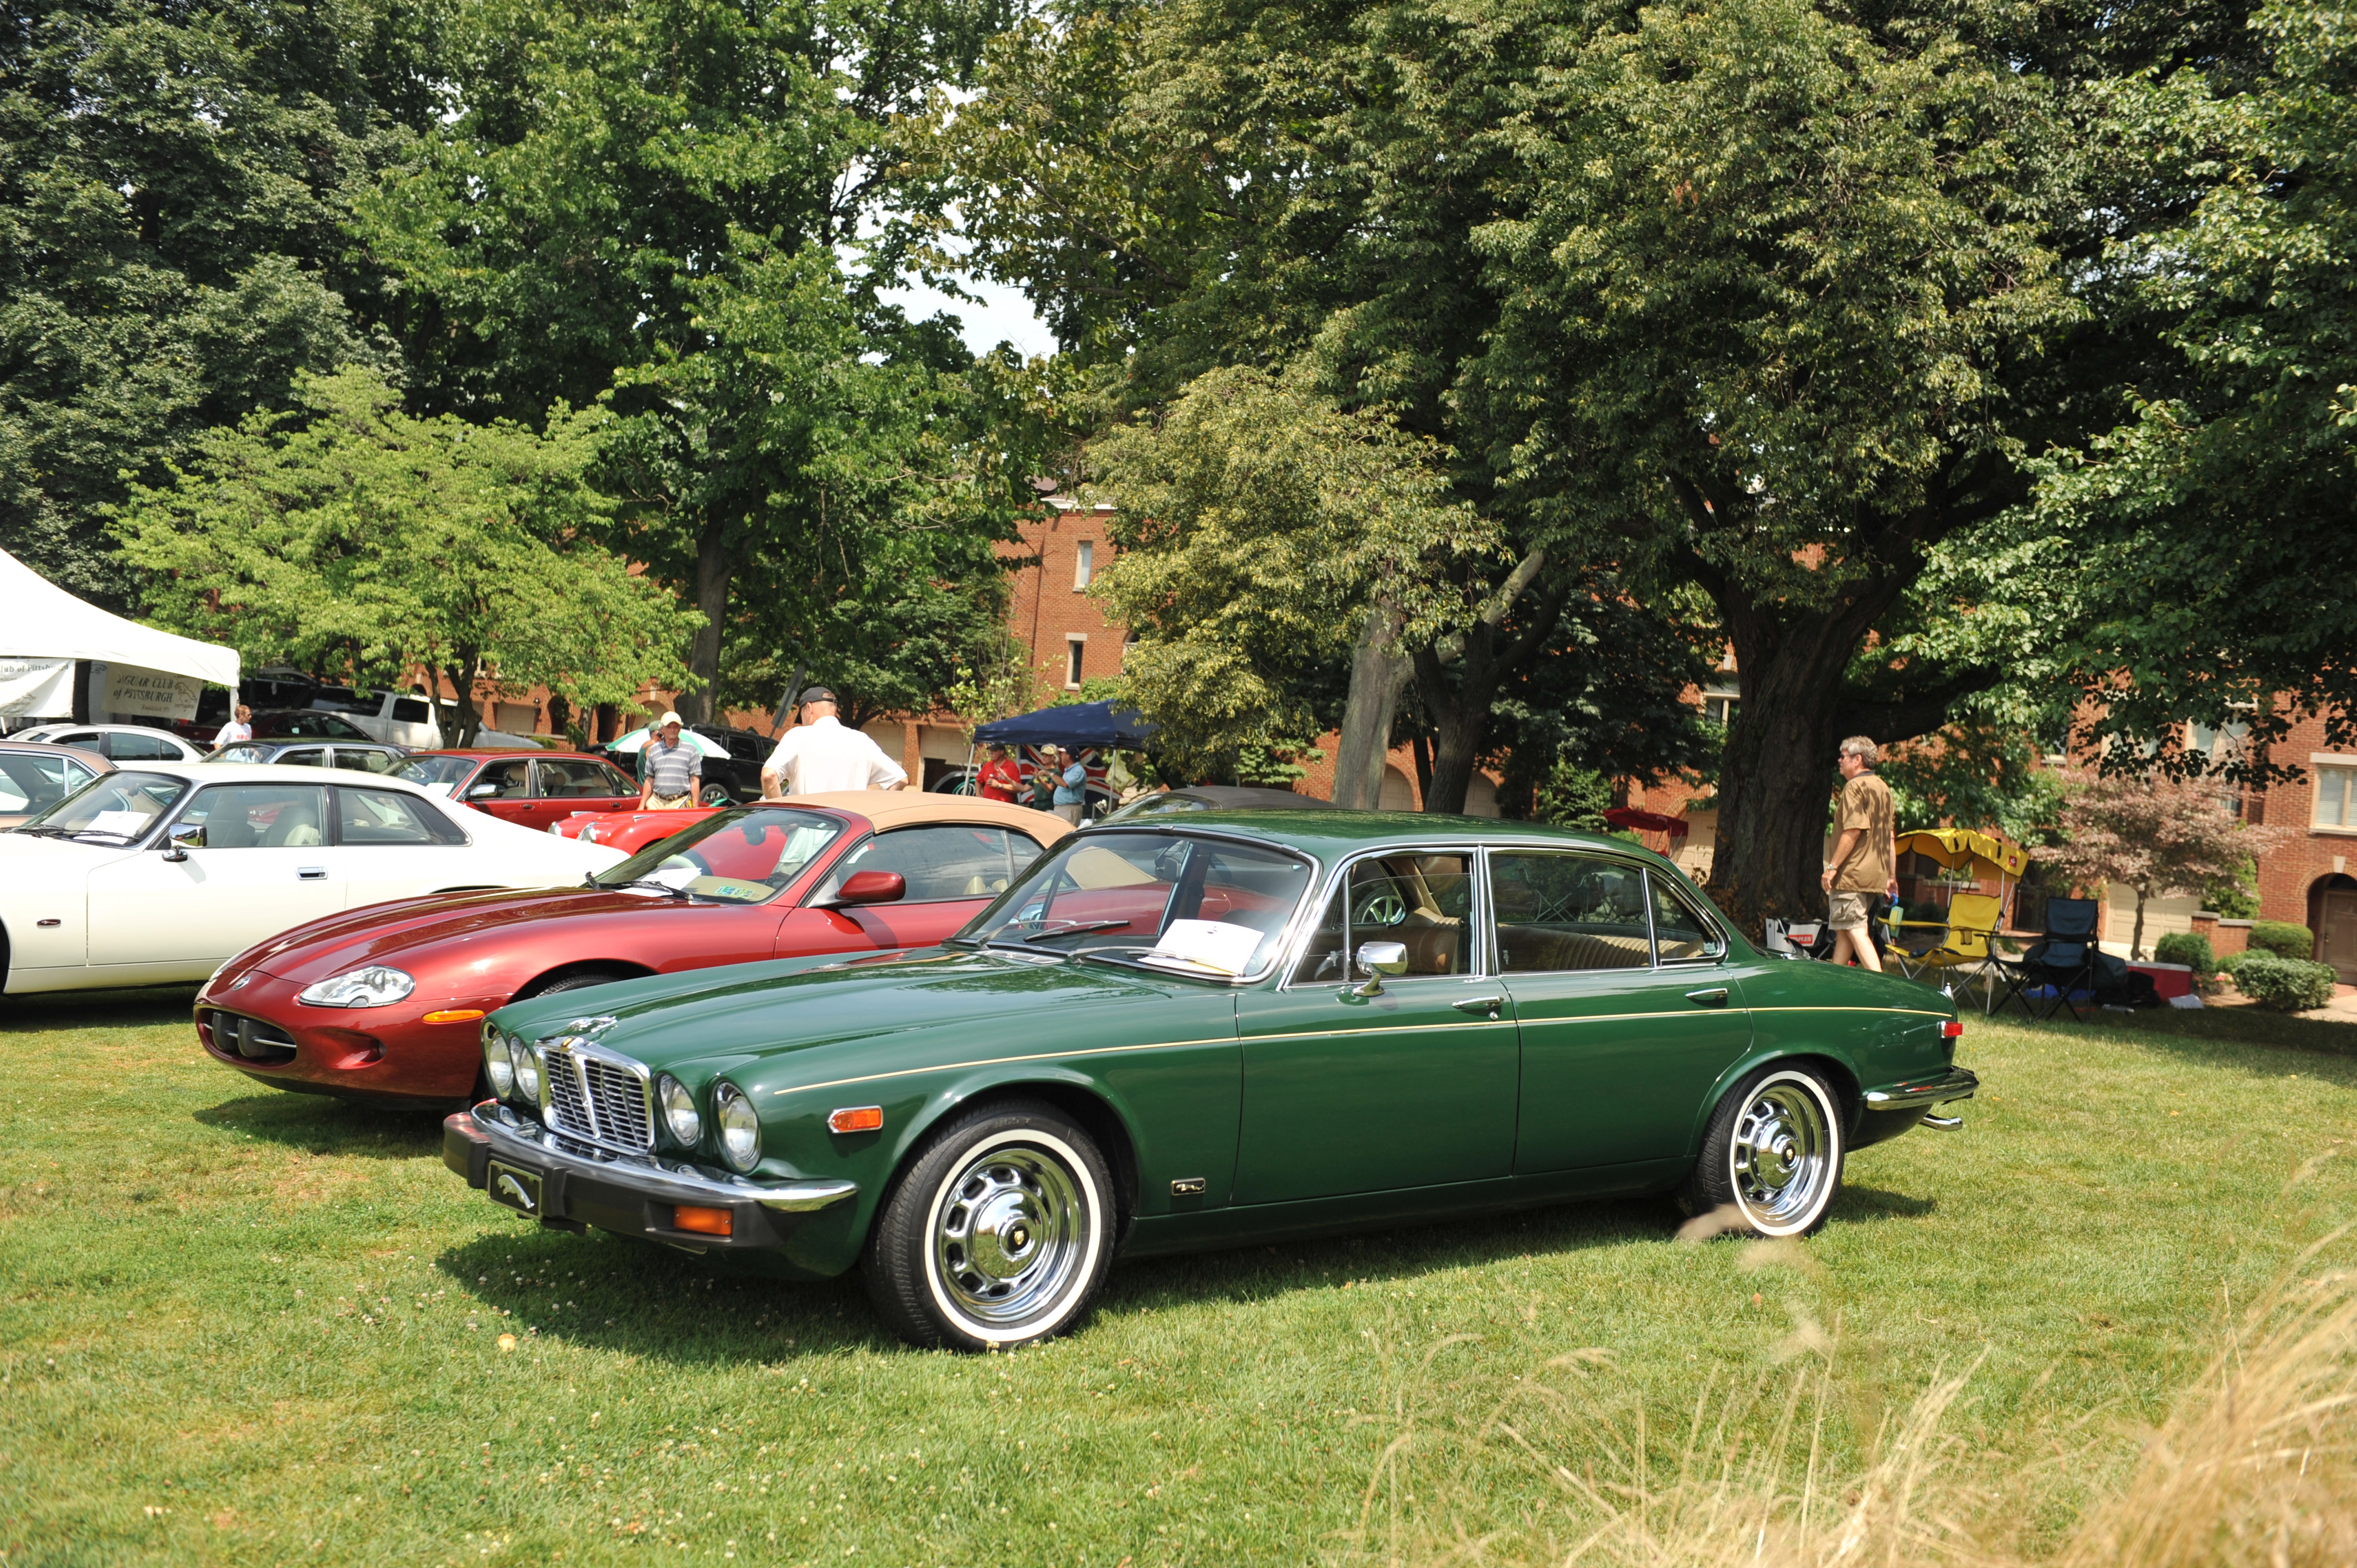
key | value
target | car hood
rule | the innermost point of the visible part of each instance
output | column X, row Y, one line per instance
column 462, row 928
column 29, row 856
column 872, row 1007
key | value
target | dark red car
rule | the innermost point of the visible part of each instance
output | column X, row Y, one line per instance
column 383, row 1003
column 530, row 788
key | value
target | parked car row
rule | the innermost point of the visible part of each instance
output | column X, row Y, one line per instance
column 955, row 1044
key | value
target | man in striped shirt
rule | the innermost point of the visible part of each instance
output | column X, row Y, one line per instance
column 669, row 769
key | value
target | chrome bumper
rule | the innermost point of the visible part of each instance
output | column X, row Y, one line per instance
column 472, row 1139
column 1923, row 1093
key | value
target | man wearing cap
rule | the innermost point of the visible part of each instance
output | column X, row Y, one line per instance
column 821, row 755
column 669, row 769
column 1072, row 785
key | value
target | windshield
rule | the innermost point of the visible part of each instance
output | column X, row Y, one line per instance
column 737, row 857
column 115, row 808
column 1192, row 905
column 436, row 773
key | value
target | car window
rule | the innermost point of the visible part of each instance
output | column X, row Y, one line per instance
column 304, row 757
column 1679, row 930
column 360, row 762
column 390, row 817
column 436, row 773
column 1422, row 902
column 740, row 856
column 121, row 746
column 30, row 783
column 311, row 724
column 258, row 816
column 411, row 710
column 568, row 778
column 88, row 739
column 1558, row 912
column 113, row 807
column 938, row 861
column 241, row 754
column 1118, row 893
column 502, row 781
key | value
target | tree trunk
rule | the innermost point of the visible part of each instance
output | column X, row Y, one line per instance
column 2136, row 943
column 1483, row 655
column 1377, row 677
column 713, row 568
column 1776, row 777
column 461, row 676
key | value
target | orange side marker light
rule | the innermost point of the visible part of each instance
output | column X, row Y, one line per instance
column 705, row 1221
column 856, row 1119
column 454, row 1016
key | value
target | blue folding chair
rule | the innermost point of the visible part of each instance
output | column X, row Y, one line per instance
column 2059, row 969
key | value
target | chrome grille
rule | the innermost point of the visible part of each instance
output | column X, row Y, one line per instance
column 235, row 1034
column 598, row 1098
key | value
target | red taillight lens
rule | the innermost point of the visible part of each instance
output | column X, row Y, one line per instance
column 1951, row 1029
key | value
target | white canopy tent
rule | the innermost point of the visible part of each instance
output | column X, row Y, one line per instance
column 43, row 631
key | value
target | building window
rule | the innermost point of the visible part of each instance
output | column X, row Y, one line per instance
column 1718, row 703
column 2334, row 806
column 1074, row 646
column 1084, row 565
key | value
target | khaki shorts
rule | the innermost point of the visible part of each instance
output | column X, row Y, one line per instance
column 671, row 803
column 1848, row 911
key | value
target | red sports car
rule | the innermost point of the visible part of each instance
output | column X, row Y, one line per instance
column 627, row 830
column 382, row 1003
column 530, row 788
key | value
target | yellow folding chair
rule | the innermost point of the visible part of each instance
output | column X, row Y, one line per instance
column 1965, row 947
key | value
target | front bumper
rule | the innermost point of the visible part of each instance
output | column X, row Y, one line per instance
column 631, row 1195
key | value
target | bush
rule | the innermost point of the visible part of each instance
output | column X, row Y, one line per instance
column 2283, row 984
column 2229, row 962
column 2283, row 939
column 2191, row 949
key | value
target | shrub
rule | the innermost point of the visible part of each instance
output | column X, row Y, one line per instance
column 2191, row 949
column 2231, row 961
column 2283, row 984
column 2283, row 939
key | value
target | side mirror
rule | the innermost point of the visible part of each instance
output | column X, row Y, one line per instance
column 482, row 791
column 1377, row 960
column 871, row 887
column 183, row 838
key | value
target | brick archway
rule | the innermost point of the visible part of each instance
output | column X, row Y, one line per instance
column 2332, row 915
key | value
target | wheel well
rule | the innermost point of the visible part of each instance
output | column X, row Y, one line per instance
column 1101, row 1123
column 622, row 966
column 1845, row 1084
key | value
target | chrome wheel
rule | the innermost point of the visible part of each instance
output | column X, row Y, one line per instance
column 1783, row 1158
column 1011, row 1233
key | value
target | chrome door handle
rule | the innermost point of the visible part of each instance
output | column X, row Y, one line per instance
column 311, row 873
column 1479, row 1004
column 1714, row 997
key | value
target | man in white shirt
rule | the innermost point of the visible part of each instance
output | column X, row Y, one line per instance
column 237, row 729
column 821, row 755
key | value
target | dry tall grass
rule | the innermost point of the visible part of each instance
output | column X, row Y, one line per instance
column 2255, row 1464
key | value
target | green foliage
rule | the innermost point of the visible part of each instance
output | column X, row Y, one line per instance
column 2235, row 897
column 2229, row 962
column 2283, row 984
column 350, row 535
column 2283, row 939
column 2189, row 948
column 1573, row 797
column 1976, row 774
column 175, row 182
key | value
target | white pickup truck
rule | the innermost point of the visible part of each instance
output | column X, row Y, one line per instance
column 410, row 722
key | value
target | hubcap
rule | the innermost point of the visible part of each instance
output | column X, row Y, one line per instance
column 1782, row 1156
column 1010, row 1233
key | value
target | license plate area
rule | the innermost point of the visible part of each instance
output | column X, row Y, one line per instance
column 515, row 1188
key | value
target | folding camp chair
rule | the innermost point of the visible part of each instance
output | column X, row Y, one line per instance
column 2059, row 969
column 1964, row 947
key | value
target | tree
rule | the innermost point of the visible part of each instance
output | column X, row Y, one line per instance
column 650, row 202
column 1262, row 532
column 2159, row 836
column 174, row 185
column 347, row 534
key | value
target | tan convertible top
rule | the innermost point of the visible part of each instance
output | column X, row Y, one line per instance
column 898, row 808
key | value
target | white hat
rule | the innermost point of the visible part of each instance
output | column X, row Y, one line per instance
column 667, row 719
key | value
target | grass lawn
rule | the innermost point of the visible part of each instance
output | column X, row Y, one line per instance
column 243, row 1326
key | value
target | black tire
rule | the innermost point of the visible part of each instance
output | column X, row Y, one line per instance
column 716, row 795
column 579, row 979
column 1771, row 1161
column 999, row 1231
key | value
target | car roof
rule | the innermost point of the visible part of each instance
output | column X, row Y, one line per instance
column 107, row 729
column 1332, row 834
column 87, row 758
column 897, row 808
column 486, row 754
column 274, row 772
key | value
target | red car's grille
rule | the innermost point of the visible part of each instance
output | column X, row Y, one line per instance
column 236, row 1035
column 603, row 1101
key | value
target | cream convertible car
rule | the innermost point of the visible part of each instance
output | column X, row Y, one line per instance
column 159, row 873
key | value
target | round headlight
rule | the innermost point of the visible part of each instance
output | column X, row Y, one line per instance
column 497, row 1065
column 679, row 1111
column 740, row 1128
column 375, row 986
column 527, row 1072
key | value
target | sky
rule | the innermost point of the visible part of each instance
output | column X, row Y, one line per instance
column 1004, row 315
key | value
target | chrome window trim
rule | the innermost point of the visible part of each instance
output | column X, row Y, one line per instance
column 1484, row 935
column 1701, row 916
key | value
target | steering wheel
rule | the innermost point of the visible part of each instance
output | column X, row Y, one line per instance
column 1384, row 909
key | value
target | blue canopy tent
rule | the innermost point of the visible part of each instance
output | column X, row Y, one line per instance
column 1081, row 726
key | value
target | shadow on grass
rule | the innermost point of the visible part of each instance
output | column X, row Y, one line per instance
column 322, row 1125
column 50, row 1012
column 1865, row 1205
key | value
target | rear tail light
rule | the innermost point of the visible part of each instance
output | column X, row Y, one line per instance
column 1951, row 1028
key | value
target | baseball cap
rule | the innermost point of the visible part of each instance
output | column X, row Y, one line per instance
column 815, row 694
column 669, row 718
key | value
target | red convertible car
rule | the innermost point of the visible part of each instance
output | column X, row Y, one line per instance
column 382, row 1003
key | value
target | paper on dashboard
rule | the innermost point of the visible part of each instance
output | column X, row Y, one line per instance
column 1207, row 944
column 124, row 824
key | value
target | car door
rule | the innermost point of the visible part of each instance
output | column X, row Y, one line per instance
column 303, row 756
column 394, row 844
column 262, row 862
column 950, row 870
column 1412, row 1087
column 503, row 789
column 363, row 759
column 1627, row 1012
column 563, row 785
column 124, row 747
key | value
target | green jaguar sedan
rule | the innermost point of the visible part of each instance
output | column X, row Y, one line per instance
column 1201, row 1032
